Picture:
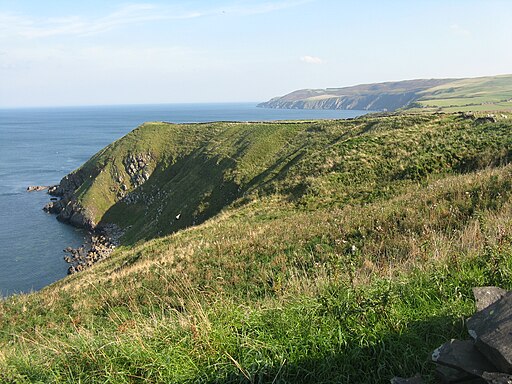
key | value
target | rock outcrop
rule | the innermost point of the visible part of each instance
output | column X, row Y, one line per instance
column 37, row 188
column 67, row 208
column 388, row 96
column 99, row 247
column 485, row 358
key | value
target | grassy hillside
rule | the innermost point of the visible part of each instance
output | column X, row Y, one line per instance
column 327, row 251
column 478, row 94
column 493, row 93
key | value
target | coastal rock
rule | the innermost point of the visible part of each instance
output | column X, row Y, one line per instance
column 99, row 246
column 492, row 330
column 37, row 188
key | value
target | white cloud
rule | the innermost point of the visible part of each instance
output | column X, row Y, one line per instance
column 263, row 7
column 311, row 59
column 27, row 27
column 460, row 31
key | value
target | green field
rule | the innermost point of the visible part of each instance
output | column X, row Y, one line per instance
column 476, row 94
column 325, row 251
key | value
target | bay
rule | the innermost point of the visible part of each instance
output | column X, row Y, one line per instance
column 39, row 146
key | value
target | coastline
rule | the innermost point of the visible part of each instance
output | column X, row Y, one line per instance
column 100, row 241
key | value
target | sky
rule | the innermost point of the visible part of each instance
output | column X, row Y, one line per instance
column 57, row 52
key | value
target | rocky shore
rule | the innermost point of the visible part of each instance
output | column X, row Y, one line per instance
column 100, row 242
column 65, row 205
column 99, row 246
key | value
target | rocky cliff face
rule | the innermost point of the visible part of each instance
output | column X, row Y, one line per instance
column 378, row 102
column 388, row 96
column 67, row 205
column 68, row 209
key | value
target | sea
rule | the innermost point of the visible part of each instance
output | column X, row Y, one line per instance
column 39, row 146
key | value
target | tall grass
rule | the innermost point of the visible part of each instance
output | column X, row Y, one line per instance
column 311, row 275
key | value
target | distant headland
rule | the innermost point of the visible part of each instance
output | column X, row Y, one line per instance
column 491, row 93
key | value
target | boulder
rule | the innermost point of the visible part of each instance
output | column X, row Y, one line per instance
column 452, row 375
column 497, row 378
column 491, row 328
column 462, row 355
column 485, row 296
column 410, row 380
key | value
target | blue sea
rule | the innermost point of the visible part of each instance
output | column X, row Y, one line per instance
column 39, row 146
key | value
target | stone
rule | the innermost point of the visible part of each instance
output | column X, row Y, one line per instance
column 451, row 375
column 497, row 378
column 462, row 355
column 485, row 296
column 37, row 188
column 492, row 330
column 410, row 380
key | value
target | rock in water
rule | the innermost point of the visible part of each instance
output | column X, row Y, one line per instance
column 492, row 330
column 37, row 188
column 463, row 355
column 485, row 296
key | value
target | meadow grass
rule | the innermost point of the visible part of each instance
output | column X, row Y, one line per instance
column 347, row 254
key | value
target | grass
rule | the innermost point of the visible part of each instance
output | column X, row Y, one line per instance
column 476, row 94
column 347, row 253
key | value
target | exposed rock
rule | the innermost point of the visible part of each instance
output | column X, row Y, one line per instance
column 99, row 246
column 410, row 380
column 485, row 296
column 497, row 378
column 485, row 119
column 492, row 330
column 137, row 167
column 463, row 355
column 37, row 188
column 452, row 375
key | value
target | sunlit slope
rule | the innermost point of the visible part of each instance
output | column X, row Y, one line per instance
column 477, row 94
column 344, row 243
column 164, row 177
column 493, row 93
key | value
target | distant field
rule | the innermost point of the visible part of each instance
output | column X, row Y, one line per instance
column 492, row 93
column 479, row 94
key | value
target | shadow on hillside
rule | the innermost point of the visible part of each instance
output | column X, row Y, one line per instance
column 176, row 196
column 401, row 354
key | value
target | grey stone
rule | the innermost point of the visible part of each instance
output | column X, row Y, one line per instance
column 497, row 378
column 492, row 330
column 462, row 355
column 485, row 296
column 410, row 380
column 452, row 375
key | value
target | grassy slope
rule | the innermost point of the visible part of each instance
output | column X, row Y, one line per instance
column 492, row 93
column 476, row 94
column 346, row 255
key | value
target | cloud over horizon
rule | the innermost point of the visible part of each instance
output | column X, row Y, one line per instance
column 311, row 59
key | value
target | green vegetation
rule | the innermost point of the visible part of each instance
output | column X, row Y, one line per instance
column 493, row 93
column 478, row 94
column 326, row 251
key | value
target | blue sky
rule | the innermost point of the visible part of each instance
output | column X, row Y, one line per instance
column 117, row 52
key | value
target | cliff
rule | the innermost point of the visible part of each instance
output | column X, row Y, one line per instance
column 484, row 93
column 274, row 252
